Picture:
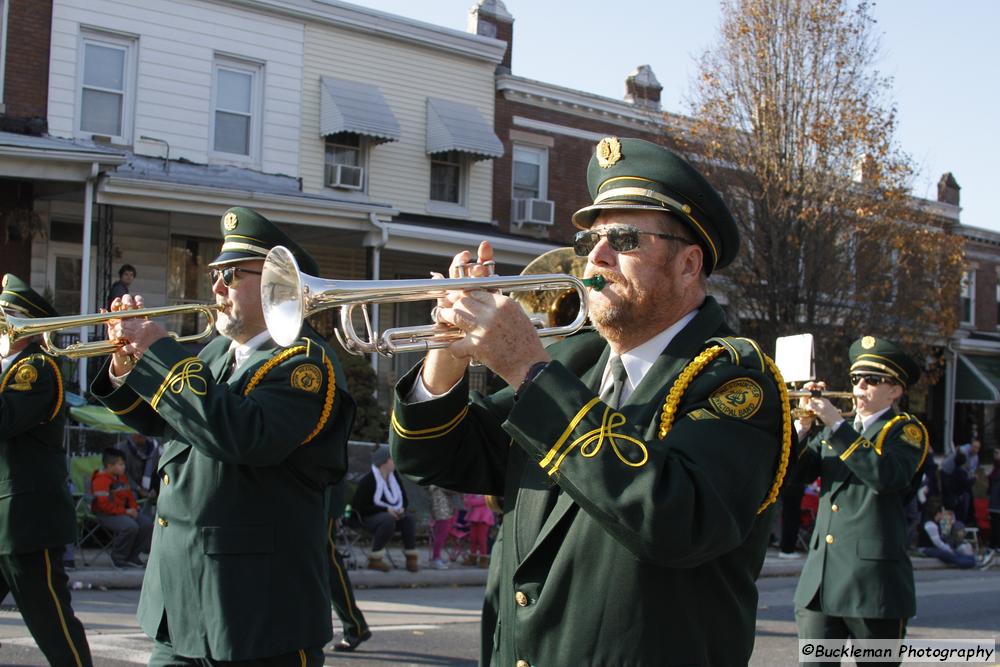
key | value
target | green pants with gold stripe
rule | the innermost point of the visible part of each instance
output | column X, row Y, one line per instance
column 40, row 588
column 341, row 591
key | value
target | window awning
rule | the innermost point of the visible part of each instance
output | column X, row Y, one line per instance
column 453, row 126
column 977, row 379
column 359, row 108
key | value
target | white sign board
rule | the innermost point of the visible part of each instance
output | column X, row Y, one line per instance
column 794, row 357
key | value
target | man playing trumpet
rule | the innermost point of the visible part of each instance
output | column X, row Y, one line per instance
column 238, row 570
column 635, row 462
column 858, row 580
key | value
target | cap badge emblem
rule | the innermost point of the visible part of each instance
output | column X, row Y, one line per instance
column 230, row 221
column 868, row 342
column 609, row 152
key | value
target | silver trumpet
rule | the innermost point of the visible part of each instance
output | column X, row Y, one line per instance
column 289, row 296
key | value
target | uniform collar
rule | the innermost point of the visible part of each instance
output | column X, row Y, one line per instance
column 242, row 352
column 7, row 362
column 641, row 358
column 871, row 419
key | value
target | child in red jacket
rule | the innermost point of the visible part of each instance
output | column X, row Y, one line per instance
column 117, row 510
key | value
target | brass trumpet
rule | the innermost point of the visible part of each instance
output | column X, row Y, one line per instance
column 799, row 412
column 13, row 329
column 289, row 296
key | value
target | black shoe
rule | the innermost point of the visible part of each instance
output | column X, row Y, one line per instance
column 136, row 563
column 348, row 644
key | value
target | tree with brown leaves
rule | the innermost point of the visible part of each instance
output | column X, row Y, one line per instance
column 795, row 125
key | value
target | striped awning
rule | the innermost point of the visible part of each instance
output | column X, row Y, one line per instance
column 453, row 126
column 355, row 107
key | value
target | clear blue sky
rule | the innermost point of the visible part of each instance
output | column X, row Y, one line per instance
column 944, row 58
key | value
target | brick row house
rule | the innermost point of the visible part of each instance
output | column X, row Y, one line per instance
column 383, row 144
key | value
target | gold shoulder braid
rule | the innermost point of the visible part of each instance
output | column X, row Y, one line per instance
column 696, row 366
column 331, row 387
column 912, row 423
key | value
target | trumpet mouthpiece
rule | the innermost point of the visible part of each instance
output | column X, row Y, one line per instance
column 596, row 283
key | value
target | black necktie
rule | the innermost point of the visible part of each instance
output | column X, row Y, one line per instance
column 613, row 394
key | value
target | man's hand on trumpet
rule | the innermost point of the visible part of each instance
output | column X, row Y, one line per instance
column 134, row 334
column 498, row 333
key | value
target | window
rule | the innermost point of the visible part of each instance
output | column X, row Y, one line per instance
column 236, row 99
column 998, row 301
column 530, row 176
column 968, row 296
column 107, row 66
column 344, row 162
column 446, row 177
column 188, row 281
column 3, row 49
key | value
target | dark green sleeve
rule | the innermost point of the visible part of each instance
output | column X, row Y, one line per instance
column 889, row 463
column 130, row 407
column 288, row 402
column 451, row 441
column 31, row 395
column 806, row 466
column 676, row 501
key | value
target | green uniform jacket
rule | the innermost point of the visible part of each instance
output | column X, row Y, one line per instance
column 618, row 547
column 858, row 561
column 36, row 510
column 238, row 563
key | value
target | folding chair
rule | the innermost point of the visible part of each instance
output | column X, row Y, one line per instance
column 456, row 545
column 89, row 530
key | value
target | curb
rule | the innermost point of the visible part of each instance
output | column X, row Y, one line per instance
column 105, row 578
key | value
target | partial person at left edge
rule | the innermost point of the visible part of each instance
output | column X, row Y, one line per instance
column 37, row 518
column 254, row 433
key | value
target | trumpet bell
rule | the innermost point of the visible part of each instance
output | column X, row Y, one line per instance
column 282, row 296
column 557, row 307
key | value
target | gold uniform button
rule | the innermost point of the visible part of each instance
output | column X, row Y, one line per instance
column 829, row 539
column 835, row 508
column 521, row 599
column 166, row 479
column 163, row 522
column 522, row 663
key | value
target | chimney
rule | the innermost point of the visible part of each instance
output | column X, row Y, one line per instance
column 948, row 189
column 490, row 18
column 865, row 169
column 642, row 89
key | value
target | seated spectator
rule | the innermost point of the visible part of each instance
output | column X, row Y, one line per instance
column 480, row 518
column 142, row 456
column 381, row 502
column 949, row 546
column 117, row 510
column 956, row 490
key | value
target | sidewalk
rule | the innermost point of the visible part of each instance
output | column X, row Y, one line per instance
column 102, row 575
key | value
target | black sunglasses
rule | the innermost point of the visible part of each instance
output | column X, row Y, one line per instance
column 229, row 274
column 621, row 239
column 870, row 380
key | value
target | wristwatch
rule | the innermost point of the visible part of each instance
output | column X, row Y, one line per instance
column 533, row 372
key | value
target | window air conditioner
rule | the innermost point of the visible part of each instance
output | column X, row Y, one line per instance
column 344, row 176
column 535, row 211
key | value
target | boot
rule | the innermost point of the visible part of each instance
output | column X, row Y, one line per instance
column 484, row 561
column 411, row 562
column 471, row 560
column 375, row 561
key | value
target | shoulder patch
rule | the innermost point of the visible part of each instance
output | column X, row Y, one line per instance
column 307, row 377
column 739, row 398
column 913, row 435
column 702, row 413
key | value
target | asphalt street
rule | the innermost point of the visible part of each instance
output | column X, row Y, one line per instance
column 440, row 625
